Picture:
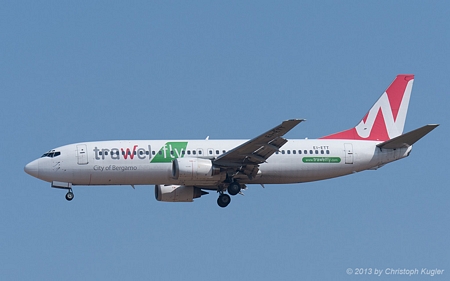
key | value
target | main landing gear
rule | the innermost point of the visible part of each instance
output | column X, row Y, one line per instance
column 69, row 195
column 225, row 199
column 234, row 188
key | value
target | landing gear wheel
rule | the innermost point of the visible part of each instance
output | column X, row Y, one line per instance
column 234, row 188
column 69, row 196
column 223, row 200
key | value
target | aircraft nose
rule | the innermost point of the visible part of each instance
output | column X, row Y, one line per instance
column 32, row 168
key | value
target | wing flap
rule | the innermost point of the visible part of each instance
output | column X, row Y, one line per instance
column 407, row 139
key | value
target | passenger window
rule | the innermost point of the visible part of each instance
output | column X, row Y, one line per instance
column 210, row 152
column 299, row 152
column 288, row 151
column 189, row 152
column 282, row 152
column 217, row 152
column 294, row 151
column 317, row 152
column 223, row 151
column 153, row 152
column 194, row 152
column 310, row 152
column 199, row 152
column 305, row 151
column 321, row 152
column 328, row 152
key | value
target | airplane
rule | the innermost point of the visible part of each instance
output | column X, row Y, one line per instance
column 183, row 170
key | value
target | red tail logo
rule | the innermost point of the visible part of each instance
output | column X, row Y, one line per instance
column 386, row 119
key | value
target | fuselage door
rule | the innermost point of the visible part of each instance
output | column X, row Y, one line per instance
column 348, row 153
column 82, row 156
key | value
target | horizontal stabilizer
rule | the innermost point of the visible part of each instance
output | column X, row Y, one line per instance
column 407, row 139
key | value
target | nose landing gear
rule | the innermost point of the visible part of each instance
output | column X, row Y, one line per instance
column 69, row 195
column 64, row 185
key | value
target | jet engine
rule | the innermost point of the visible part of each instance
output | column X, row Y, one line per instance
column 177, row 193
column 193, row 169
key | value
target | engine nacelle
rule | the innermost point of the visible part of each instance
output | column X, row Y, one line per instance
column 193, row 169
column 177, row 193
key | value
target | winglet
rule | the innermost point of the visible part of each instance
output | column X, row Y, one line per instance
column 409, row 138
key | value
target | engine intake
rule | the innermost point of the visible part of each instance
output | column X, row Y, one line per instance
column 193, row 169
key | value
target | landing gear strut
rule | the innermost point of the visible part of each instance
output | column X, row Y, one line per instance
column 69, row 195
column 223, row 200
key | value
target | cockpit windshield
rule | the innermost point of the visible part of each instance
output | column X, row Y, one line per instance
column 51, row 154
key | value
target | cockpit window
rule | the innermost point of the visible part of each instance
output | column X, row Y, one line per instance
column 51, row 154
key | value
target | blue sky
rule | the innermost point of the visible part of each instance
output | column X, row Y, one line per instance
column 72, row 72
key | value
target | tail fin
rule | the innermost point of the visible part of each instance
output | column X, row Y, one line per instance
column 386, row 119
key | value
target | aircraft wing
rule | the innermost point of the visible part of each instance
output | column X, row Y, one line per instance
column 250, row 154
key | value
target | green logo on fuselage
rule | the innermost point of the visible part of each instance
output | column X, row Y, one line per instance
column 321, row 159
column 170, row 151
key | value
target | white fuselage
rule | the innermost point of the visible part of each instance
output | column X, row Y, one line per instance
column 141, row 162
column 182, row 170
